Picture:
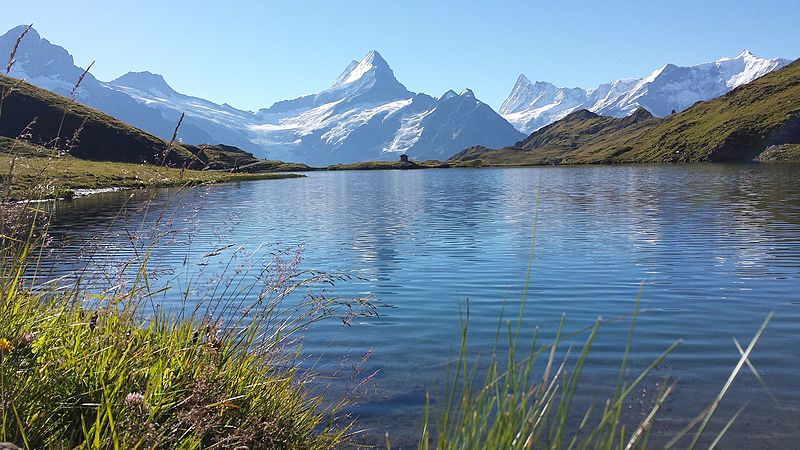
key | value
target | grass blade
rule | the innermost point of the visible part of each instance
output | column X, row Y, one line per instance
column 729, row 382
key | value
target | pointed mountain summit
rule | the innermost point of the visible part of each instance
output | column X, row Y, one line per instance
column 370, row 79
column 467, row 93
column 520, row 97
column 522, row 80
column 372, row 65
column 745, row 54
column 745, row 68
column 532, row 105
column 367, row 114
column 449, row 94
column 17, row 30
column 10, row 36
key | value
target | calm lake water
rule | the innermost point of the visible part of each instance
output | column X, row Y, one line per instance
column 716, row 247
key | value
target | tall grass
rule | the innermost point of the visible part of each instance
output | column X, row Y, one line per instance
column 56, row 144
column 526, row 396
column 107, row 369
column 82, row 367
column 526, row 399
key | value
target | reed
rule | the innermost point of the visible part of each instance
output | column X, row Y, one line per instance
column 172, row 140
column 73, row 93
column 11, row 60
column 82, row 367
column 88, row 368
column 526, row 398
column 514, row 407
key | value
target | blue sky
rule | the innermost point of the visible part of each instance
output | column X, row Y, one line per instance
column 253, row 53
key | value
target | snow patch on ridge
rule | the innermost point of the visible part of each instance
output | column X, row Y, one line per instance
column 344, row 124
column 355, row 73
column 408, row 134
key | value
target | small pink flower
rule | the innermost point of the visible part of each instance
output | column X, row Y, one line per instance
column 134, row 400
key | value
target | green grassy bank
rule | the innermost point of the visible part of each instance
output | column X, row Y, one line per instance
column 107, row 370
column 36, row 172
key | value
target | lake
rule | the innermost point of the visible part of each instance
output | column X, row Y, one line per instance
column 715, row 248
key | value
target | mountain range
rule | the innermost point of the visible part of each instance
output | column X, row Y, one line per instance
column 367, row 114
column 57, row 126
column 671, row 88
column 757, row 120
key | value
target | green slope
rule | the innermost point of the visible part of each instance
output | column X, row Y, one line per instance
column 735, row 127
column 579, row 138
column 49, row 119
column 56, row 122
column 30, row 171
column 785, row 152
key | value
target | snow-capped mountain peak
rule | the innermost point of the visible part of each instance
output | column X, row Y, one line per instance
column 745, row 54
column 520, row 94
column 531, row 106
column 528, row 95
column 370, row 79
column 467, row 93
column 657, row 73
column 746, row 67
column 372, row 64
column 448, row 95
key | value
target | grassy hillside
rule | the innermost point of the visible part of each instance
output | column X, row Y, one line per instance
column 785, row 152
column 223, row 157
column 51, row 120
column 268, row 165
column 735, row 127
column 38, row 172
column 581, row 137
column 55, row 122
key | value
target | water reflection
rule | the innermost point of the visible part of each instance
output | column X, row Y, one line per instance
column 717, row 247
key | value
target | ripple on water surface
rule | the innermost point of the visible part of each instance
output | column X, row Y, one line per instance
column 717, row 247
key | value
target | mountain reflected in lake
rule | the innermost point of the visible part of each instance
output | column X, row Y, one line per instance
column 716, row 248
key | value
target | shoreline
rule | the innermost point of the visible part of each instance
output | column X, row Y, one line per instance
column 66, row 192
column 40, row 177
column 73, row 193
